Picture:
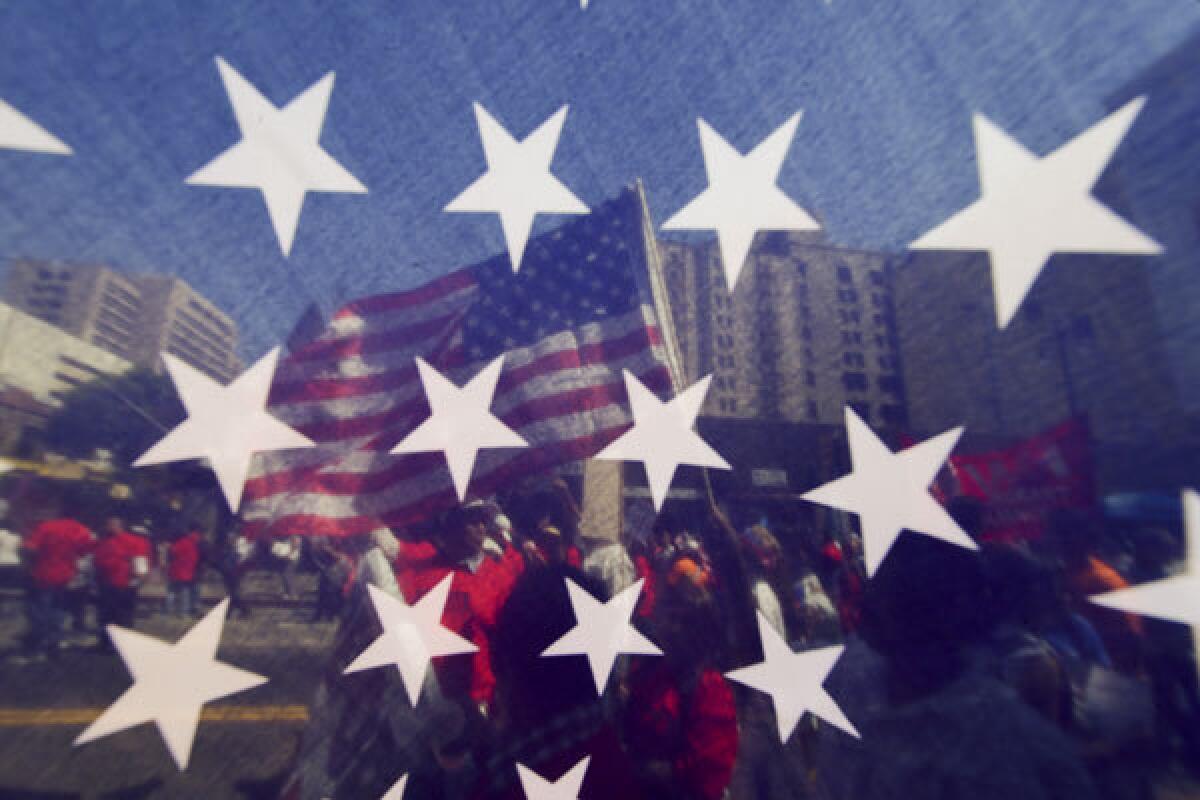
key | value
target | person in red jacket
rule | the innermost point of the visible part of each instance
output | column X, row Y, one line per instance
column 53, row 550
column 483, row 578
column 121, row 560
column 680, row 716
column 183, row 567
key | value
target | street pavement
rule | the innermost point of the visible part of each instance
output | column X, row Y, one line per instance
column 243, row 740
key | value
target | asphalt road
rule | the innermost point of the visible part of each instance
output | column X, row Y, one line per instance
column 242, row 743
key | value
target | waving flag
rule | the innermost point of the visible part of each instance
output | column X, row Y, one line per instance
column 577, row 315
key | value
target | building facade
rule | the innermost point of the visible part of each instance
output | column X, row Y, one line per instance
column 809, row 330
column 1086, row 343
column 135, row 317
column 38, row 362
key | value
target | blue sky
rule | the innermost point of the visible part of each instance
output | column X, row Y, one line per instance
column 884, row 150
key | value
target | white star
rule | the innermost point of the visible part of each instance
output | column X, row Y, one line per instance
column 890, row 491
column 19, row 132
column 565, row 788
column 460, row 423
column 518, row 184
column 171, row 683
column 662, row 437
column 412, row 635
column 794, row 681
column 1176, row 598
column 742, row 198
column 602, row 631
column 280, row 152
column 1030, row 207
column 225, row 424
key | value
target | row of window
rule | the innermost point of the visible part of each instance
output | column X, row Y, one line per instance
column 858, row 382
column 46, row 274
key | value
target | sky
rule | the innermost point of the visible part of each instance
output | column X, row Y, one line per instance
column 883, row 152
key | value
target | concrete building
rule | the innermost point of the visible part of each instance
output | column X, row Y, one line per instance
column 809, row 330
column 136, row 317
column 1086, row 342
column 38, row 361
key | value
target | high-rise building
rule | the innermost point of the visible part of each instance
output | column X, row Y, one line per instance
column 136, row 317
column 809, row 330
column 1086, row 343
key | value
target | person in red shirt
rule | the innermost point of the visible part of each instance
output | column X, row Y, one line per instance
column 53, row 550
column 183, row 567
column 121, row 560
column 483, row 578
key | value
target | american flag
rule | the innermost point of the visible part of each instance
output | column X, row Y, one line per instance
column 578, row 314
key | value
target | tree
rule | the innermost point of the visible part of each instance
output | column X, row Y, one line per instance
column 124, row 414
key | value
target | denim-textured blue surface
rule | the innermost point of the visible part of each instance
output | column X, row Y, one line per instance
column 884, row 150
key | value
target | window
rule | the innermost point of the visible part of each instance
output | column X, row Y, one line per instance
column 880, row 340
column 862, row 409
column 851, row 337
column 806, row 333
column 878, row 319
column 854, row 381
column 847, row 295
column 876, row 299
column 776, row 244
column 844, row 274
column 727, row 404
column 801, row 268
column 725, row 361
column 812, row 410
column 876, row 278
column 810, row 377
column 853, row 359
column 724, row 340
column 885, row 362
column 890, row 384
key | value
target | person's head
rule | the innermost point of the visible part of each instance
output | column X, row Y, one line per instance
column 923, row 606
column 550, row 539
column 113, row 525
column 464, row 530
column 683, row 607
column 531, row 689
column 762, row 548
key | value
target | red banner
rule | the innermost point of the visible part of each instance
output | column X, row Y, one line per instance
column 1023, row 483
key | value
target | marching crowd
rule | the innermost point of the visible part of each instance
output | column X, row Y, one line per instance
column 967, row 673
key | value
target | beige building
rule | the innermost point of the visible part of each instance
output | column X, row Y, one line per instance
column 136, row 317
column 39, row 361
column 809, row 330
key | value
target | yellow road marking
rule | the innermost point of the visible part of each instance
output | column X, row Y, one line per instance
column 40, row 717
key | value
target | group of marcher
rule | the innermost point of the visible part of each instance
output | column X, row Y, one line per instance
column 66, row 568
column 980, row 674
column 968, row 673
